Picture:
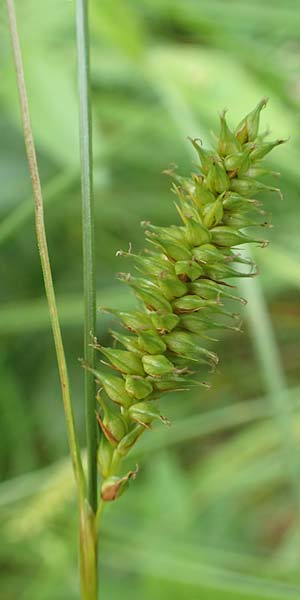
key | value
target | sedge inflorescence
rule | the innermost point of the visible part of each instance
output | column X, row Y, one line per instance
column 181, row 283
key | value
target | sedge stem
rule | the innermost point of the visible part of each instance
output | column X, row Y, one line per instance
column 99, row 515
column 43, row 252
column 88, row 245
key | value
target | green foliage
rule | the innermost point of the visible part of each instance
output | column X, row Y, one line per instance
column 213, row 511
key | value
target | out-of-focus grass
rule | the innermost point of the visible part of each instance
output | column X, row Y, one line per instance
column 214, row 512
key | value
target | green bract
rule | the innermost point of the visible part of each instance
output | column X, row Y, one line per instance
column 181, row 286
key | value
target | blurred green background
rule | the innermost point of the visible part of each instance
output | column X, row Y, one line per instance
column 215, row 510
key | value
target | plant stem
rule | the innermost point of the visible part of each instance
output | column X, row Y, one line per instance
column 88, row 553
column 43, row 252
column 88, row 245
column 99, row 515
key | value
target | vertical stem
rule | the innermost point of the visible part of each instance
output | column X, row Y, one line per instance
column 88, row 244
column 88, row 553
column 43, row 252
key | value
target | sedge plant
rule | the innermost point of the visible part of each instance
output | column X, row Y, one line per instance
column 183, row 281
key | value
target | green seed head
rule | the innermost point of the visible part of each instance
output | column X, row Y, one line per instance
column 196, row 234
column 113, row 487
column 114, row 428
column 191, row 303
column 164, row 321
column 130, row 439
column 228, row 143
column 151, row 342
column 171, row 286
column 204, row 155
column 262, row 149
column 217, row 179
column 184, row 279
column 128, row 341
column 213, row 213
column 123, row 360
column 115, row 388
column 175, row 251
column 145, row 413
column 239, row 163
column 157, row 365
column 188, row 270
column 228, row 237
column 201, row 194
column 247, row 130
column 104, row 456
column 206, row 254
column 138, row 387
column 113, row 424
column 153, row 300
column 135, row 320
column 189, row 346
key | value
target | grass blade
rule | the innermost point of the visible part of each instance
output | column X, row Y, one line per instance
column 88, row 242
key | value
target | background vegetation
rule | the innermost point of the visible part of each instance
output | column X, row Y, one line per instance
column 215, row 511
